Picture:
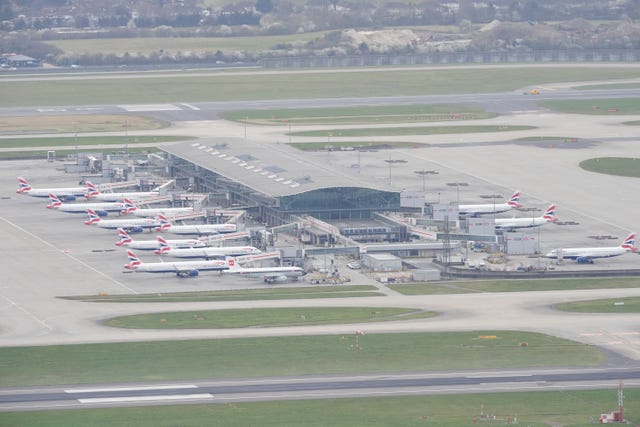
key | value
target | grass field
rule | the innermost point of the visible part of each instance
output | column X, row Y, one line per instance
column 612, row 106
column 516, row 285
column 343, row 291
column 403, row 131
column 620, row 166
column 355, row 145
column 87, row 140
column 173, row 45
column 617, row 305
column 78, row 123
column 358, row 115
column 153, row 88
column 265, row 317
column 292, row 355
column 537, row 409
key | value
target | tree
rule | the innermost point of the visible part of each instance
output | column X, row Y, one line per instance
column 264, row 6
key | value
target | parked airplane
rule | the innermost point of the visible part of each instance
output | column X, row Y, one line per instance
column 268, row 274
column 131, row 208
column 180, row 268
column 489, row 208
column 68, row 193
column 587, row 255
column 198, row 229
column 208, row 252
column 126, row 240
column 102, row 208
column 92, row 193
column 515, row 223
column 132, row 224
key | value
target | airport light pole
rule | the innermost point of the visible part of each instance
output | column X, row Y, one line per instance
column 424, row 173
column 457, row 185
column 391, row 161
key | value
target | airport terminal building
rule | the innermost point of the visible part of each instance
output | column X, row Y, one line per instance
column 275, row 181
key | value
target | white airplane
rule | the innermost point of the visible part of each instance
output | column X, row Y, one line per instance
column 268, row 274
column 92, row 193
column 148, row 245
column 132, row 224
column 68, row 193
column 515, row 223
column 102, row 208
column 180, row 268
column 131, row 208
column 587, row 255
column 204, row 252
column 199, row 229
column 489, row 208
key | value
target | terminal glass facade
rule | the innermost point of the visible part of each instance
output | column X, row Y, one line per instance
column 340, row 202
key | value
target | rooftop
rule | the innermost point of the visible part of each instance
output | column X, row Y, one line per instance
column 272, row 169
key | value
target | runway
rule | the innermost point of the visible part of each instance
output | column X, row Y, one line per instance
column 296, row 388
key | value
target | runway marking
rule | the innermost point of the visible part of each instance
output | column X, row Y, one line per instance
column 150, row 107
column 112, row 389
column 28, row 313
column 67, row 254
column 146, row 398
column 193, row 107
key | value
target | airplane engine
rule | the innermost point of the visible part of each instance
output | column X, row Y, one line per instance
column 135, row 230
column 69, row 198
column 102, row 213
column 190, row 273
column 278, row 279
column 584, row 260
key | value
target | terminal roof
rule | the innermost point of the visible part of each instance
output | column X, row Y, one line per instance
column 274, row 169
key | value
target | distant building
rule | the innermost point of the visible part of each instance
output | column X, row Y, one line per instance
column 18, row 61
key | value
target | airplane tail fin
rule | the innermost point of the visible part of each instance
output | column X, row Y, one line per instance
column 629, row 243
column 550, row 213
column 23, row 185
column 94, row 218
column 124, row 237
column 129, row 207
column 164, row 246
column 92, row 191
column 514, row 201
column 165, row 224
column 54, row 202
column 134, row 261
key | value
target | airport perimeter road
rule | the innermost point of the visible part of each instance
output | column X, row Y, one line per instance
column 323, row 387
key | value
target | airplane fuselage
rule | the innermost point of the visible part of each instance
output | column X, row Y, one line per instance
column 180, row 266
column 147, row 245
column 151, row 212
column 514, row 223
column 84, row 207
column 209, row 252
column 203, row 229
column 484, row 209
column 587, row 253
column 118, row 197
column 128, row 223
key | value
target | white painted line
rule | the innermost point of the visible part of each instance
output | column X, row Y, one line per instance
column 195, row 144
column 112, row 389
column 193, row 107
column 202, row 147
column 222, row 156
column 146, row 398
column 150, row 107
column 214, row 152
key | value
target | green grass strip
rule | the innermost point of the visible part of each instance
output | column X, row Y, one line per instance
column 418, row 130
column 604, row 106
column 265, row 317
column 515, row 285
column 358, row 115
column 292, row 355
column 614, row 305
column 342, row 291
column 534, row 409
column 620, row 166
column 88, row 140
column 355, row 145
